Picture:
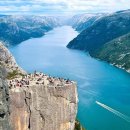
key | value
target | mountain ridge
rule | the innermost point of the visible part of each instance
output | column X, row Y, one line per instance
column 103, row 31
column 18, row 28
column 81, row 22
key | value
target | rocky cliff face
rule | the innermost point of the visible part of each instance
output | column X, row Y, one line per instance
column 8, row 61
column 7, row 65
column 35, row 101
column 48, row 104
column 4, row 111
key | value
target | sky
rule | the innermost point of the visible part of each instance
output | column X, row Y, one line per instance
column 61, row 7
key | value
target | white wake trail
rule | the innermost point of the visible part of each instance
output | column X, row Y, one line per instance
column 119, row 114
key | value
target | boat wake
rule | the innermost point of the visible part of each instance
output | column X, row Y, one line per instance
column 117, row 113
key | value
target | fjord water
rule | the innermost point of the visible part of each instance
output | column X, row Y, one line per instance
column 103, row 89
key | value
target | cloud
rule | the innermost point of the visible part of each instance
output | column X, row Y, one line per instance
column 61, row 6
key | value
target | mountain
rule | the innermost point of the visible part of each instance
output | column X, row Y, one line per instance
column 81, row 22
column 15, row 29
column 116, row 52
column 103, row 31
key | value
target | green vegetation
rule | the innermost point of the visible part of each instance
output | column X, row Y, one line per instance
column 78, row 126
column 116, row 52
column 102, row 31
column 13, row 74
column 107, row 39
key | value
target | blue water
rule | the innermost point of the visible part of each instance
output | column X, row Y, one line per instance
column 97, row 81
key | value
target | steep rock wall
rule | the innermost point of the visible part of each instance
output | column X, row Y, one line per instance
column 7, row 61
column 37, row 106
column 43, row 107
column 4, row 102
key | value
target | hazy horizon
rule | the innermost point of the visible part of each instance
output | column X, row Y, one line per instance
column 61, row 7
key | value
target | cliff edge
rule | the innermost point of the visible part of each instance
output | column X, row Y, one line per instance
column 34, row 101
column 40, row 102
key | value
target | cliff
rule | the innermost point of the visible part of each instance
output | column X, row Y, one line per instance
column 4, row 102
column 34, row 101
column 4, row 90
column 7, row 67
column 40, row 102
column 8, row 61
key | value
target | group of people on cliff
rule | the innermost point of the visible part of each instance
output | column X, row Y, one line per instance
column 35, row 79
